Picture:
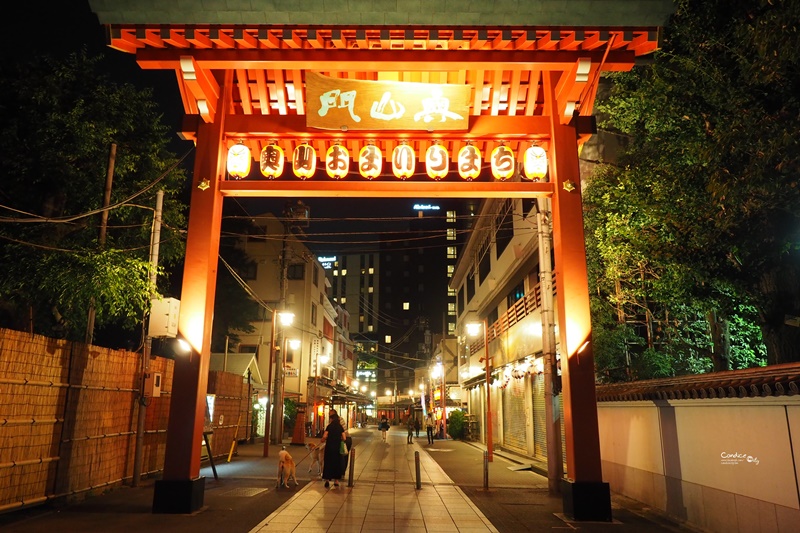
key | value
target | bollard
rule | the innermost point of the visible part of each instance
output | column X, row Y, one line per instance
column 352, row 463
column 416, row 465
column 486, row 470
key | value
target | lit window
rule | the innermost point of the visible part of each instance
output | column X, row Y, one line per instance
column 451, row 327
column 451, row 216
column 343, row 300
column 451, row 252
column 387, row 339
column 451, row 309
column 370, row 328
column 361, row 318
column 451, row 234
column 450, row 270
column 371, row 290
column 406, row 306
column 451, row 292
column 371, row 270
column 344, row 272
column 335, row 272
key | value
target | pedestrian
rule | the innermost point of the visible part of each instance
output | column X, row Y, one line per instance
column 416, row 426
column 384, row 427
column 333, row 437
column 429, row 423
column 410, row 426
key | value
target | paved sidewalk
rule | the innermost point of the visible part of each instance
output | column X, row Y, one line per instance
column 383, row 497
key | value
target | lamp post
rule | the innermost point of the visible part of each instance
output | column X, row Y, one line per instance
column 473, row 329
column 286, row 318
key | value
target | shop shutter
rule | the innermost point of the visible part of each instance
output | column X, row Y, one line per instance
column 539, row 418
column 514, row 418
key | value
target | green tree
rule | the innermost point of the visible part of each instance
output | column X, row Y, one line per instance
column 58, row 120
column 701, row 217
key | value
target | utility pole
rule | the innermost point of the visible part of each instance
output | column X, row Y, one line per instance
column 155, row 241
column 112, row 157
column 555, row 462
column 277, row 407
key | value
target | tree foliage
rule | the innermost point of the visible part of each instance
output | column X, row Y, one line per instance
column 58, row 120
column 696, row 230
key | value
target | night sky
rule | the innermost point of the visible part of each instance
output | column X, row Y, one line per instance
column 68, row 26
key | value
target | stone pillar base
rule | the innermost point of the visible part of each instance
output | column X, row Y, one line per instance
column 182, row 496
column 587, row 501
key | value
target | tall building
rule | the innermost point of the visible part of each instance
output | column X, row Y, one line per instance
column 398, row 296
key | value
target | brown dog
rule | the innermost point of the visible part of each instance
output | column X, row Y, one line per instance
column 286, row 469
column 317, row 453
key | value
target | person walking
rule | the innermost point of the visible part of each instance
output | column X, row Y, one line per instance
column 410, row 426
column 384, row 427
column 416, row 426
column 333, row 437
column 429, row 424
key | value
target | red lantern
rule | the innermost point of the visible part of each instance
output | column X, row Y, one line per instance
column 304, row 161
column 272, row 161
column 239, row 160
column 535, row 163
column 437, row 162
column 503, row 163
column 404, row 161
column 337, row 162
column 370, row 161
column 469, row 162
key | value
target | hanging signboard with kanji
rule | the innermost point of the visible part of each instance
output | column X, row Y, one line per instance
column 344, row 104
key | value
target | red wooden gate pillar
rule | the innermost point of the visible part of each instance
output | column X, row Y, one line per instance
column 585, row 495
column 182, row 489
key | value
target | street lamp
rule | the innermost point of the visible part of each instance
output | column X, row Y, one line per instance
column 473, row 329
column 276, row 394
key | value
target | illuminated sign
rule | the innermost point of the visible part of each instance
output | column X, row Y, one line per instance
column 335, row 104
column 327, row 262
column 426, row 207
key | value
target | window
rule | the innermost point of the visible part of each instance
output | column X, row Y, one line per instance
column 451, row 308
column 451, row 252
column 335, row 272
column 451, row 328
column 250, row 270
column 406, row 306
column 517, row 293
column 344, row 272
column 451, row 234
column 370, row 328
column 470, row 289
column 451, row 292
column 296, row 271
column 484, row 267
column 387, row 339
column 371, row 290
column 361, row 318
column 313, row 314
column 505, row 228
column 451, row 216
column 450, row 270
column 370, row 270
column 315, row 275
column 343, row 299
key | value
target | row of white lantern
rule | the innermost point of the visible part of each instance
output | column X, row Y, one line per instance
column 404, row 162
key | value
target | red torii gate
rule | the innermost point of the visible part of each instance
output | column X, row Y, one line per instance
column 244, row 80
